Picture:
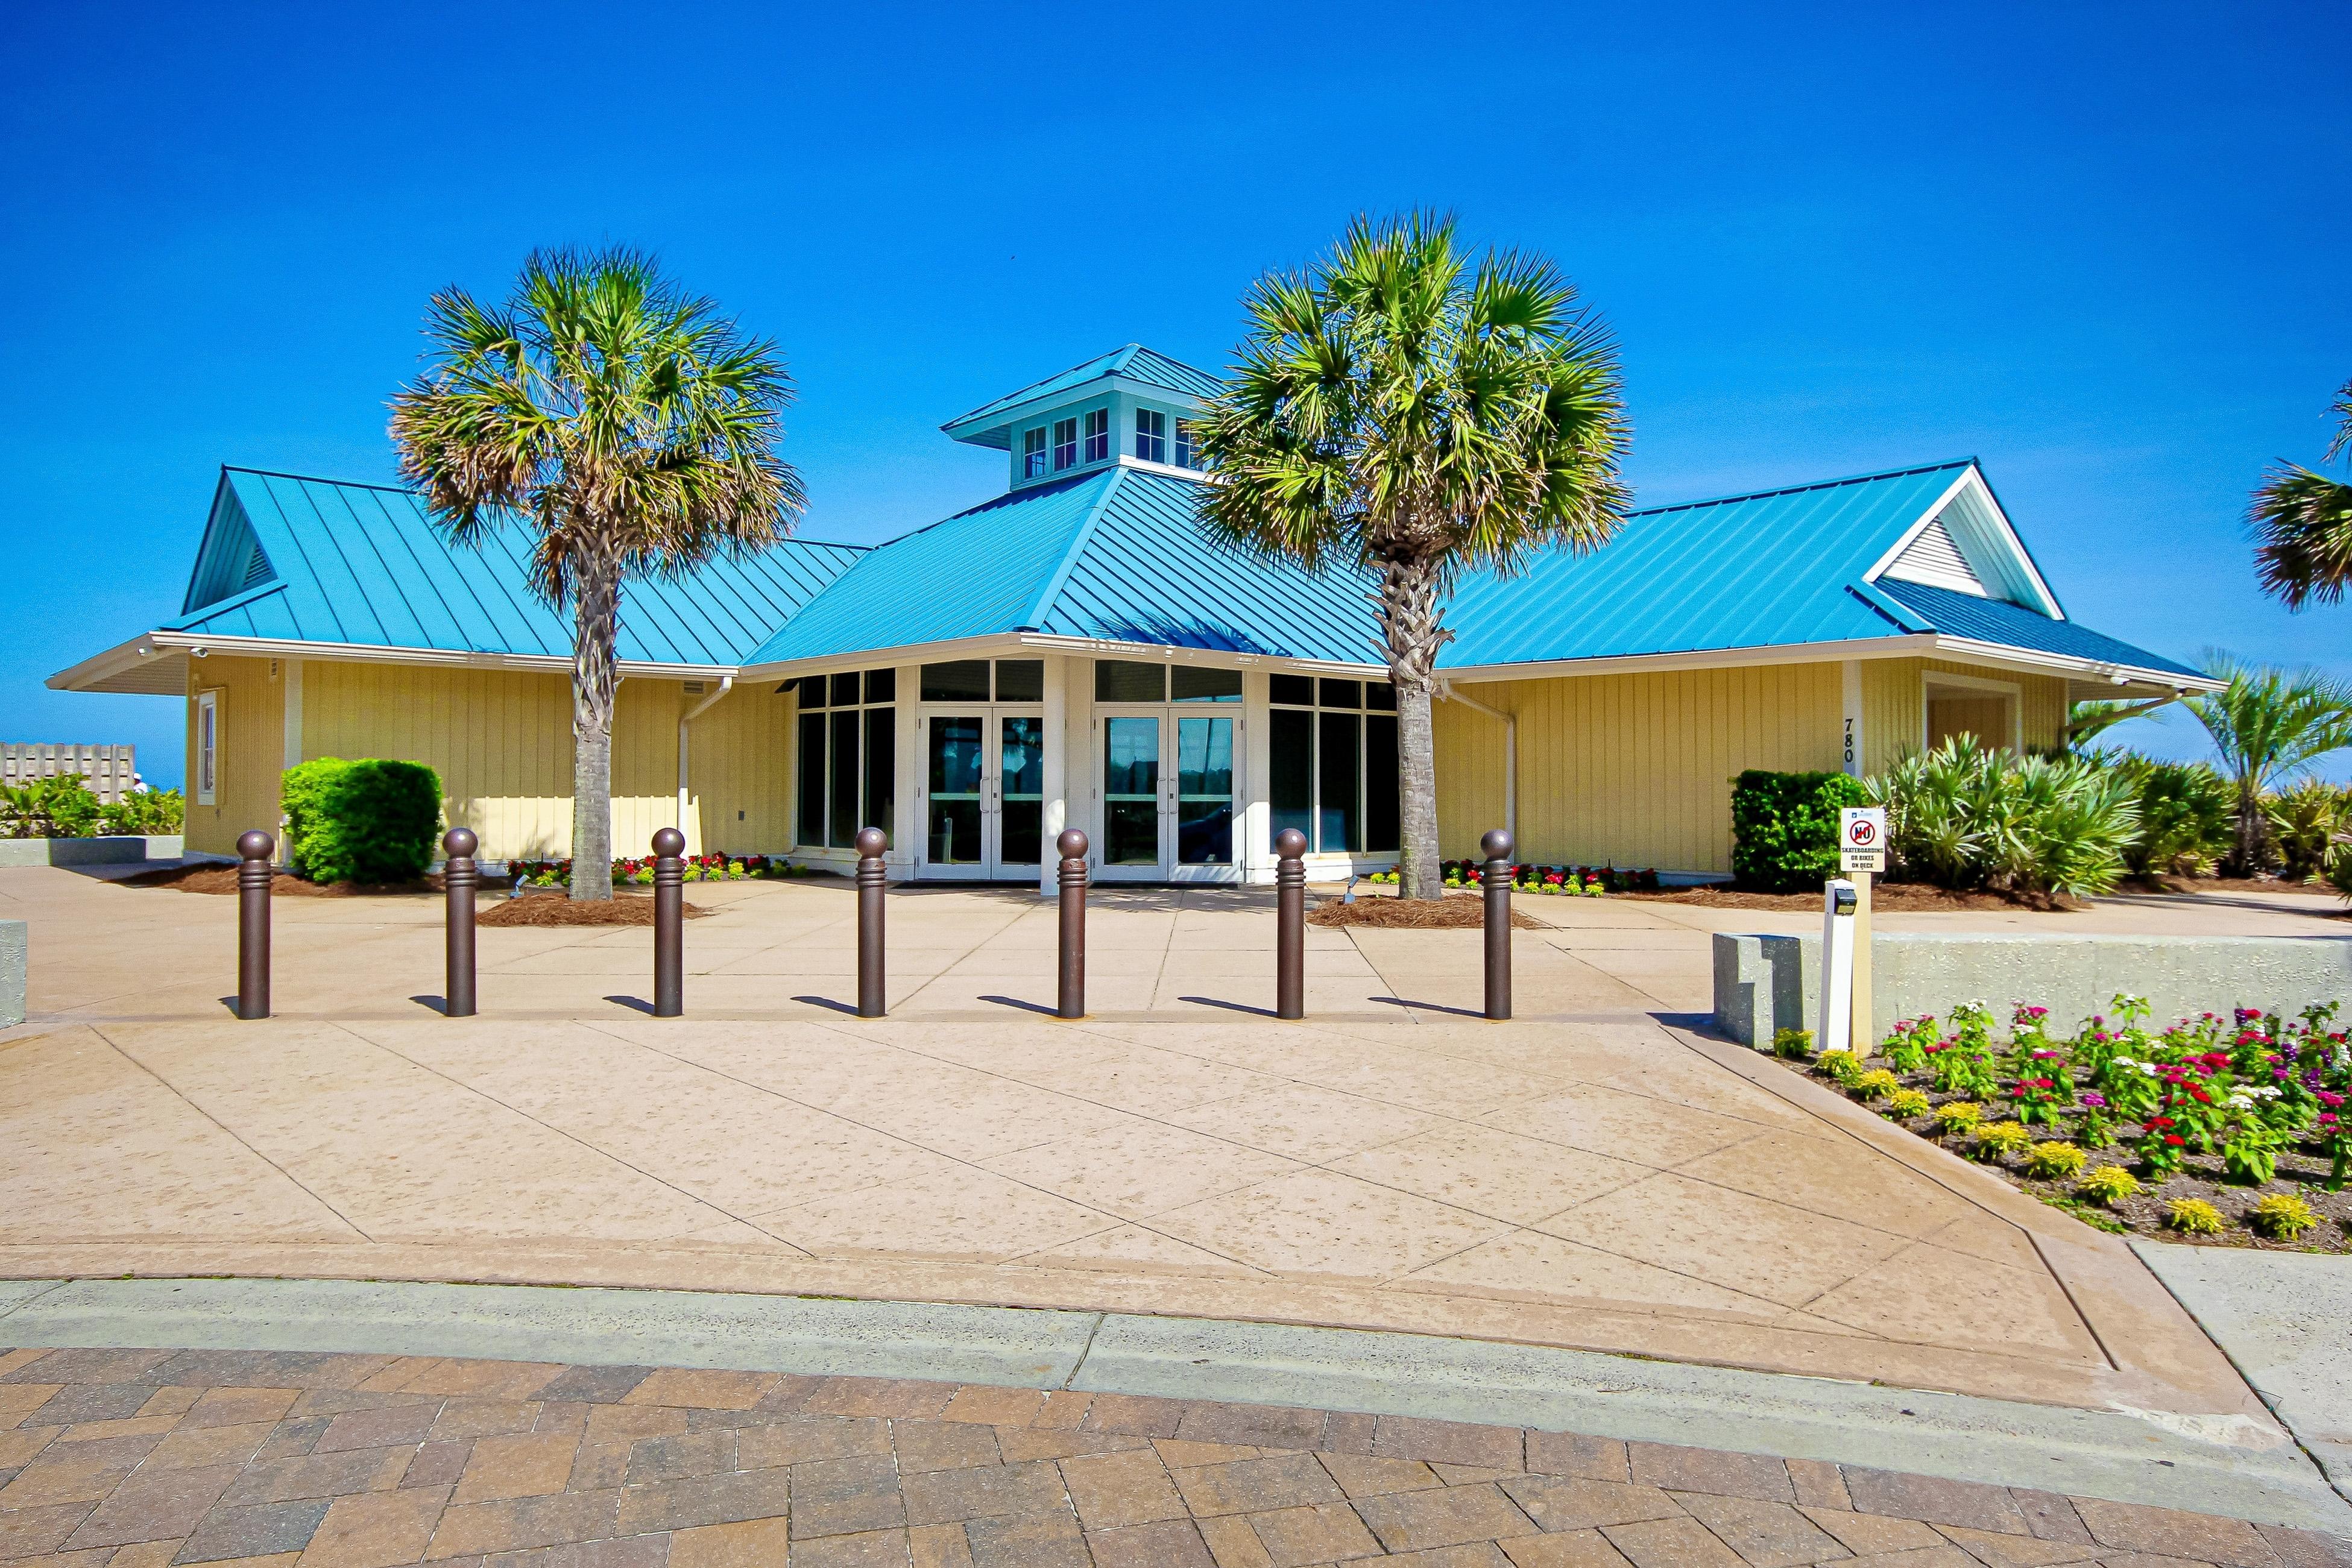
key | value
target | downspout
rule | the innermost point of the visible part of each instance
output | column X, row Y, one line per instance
column 726, row 684
column 1510, row 754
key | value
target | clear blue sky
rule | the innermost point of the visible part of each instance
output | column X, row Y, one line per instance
column 2103, row 248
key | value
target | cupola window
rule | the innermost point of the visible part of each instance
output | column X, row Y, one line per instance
column 1032, row 453
column 1150, row 435
column 1066, row 444
column 1188, row 445
column 1098, row 435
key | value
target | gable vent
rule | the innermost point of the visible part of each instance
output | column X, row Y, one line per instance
column 1935, row 559
column 256, row 570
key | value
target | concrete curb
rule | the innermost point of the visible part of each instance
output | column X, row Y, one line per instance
column 2239, row 1468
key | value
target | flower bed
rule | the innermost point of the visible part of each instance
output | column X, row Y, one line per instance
column 640, row 870
column 1569, row 880
column 2234, row 1132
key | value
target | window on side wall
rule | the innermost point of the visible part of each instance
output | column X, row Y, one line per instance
column 1150, row 435
column 1098, row 435
column 1066, row 444
column 1188, row 445
column 1334, row 767
column 207, row 748
column 1032, row 453
column 847, row 758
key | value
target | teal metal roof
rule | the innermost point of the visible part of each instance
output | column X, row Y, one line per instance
column 1133, row 362
column 363, row 565
column 1997, row 620
column 1114, row 555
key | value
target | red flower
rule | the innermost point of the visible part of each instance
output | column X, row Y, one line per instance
column 2174, row 1140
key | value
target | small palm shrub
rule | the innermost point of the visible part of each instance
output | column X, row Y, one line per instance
column 2002, row 1138
column 1963, row 816
column 2195, row 1215
column 1876, row 1082
column 2282, row 1216
column 2184, row 816
column 2053, row 1161
column 1796, row 1044
column 2107, row 1186
column 1905, row 1104
column 1959, row 1116
column 1842, row 1066
column 2307, row 823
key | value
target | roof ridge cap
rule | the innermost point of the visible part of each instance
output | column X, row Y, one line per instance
column 1903, row 472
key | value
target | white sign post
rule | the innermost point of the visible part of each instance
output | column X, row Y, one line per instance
column 1862, row 855
column 1837, row 966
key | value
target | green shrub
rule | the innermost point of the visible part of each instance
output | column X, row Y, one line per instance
column 1876, row 1082
column 2308, row 823
column 57, row 807
column 2107, row 1186
column 147, row 811
column 1962, row 816
column 1960, row 1115
column 2195, row 1215
column 2282, row 1216
column 2002, row 1138
column 1796, row 1044
column 2054, row 1161
column 371, row 821
column 1842, row 1067
column 1905, row 1104
column 2184, row 821
column 1784, row 827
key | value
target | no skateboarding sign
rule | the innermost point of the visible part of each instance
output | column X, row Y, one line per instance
column 1861, row 838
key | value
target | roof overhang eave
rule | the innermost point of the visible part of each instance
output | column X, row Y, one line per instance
column 1921, row 644
column 185, row 644
column 142, row 667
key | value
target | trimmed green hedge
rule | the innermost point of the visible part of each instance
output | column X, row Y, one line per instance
column 372, row 820
column 1784, row 827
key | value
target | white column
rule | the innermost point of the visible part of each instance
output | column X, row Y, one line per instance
column 1256, row 835
column 907, row 808
column 1056, row 764
column 1852, row 752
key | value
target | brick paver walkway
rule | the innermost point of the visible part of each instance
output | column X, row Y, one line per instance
column 136, row 1459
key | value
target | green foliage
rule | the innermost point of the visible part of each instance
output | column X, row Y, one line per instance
column 2000, row 1138
column 1963, row 816
column 372, row 820
column 1958, row 1116
column 1876, row 1082
column 2194, row 1216
column 147, row 811
column 2312, row 825
column 2054, row 1161
column 2269, row 724
column 1796, row 1044
column 1905, row 1104
column 2303, row 524
column 2107, row 1184
column 62, row 807
column 1842, row 1067
column 1784, row 827
column 2184, row 816
column 2282, row 1216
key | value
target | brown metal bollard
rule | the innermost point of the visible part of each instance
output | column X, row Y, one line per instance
column 1496, row 879
column 255, row 851
column 459, row 877
column 872, row 993
column 669, row 923
column 1070, row 994
column 1289, row 924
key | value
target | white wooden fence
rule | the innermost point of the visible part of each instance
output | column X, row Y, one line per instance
column 109, row 770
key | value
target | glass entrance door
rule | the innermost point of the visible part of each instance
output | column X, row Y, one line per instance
column 983, row 794
column 1167, row 797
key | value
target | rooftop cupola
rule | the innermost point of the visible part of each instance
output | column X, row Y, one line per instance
column 1132, row 405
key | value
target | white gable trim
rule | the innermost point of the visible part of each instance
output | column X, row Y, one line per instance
column 1986, row 541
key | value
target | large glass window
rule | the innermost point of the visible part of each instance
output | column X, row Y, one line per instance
column 1020, row 679
column 1098, row 435
column 1129, row 681
column 1199, row 685
column 1150, row 435
column 1334, row 766
column 956, row 681
column 1032, row 453
column 1066, row 444
column 847, row 757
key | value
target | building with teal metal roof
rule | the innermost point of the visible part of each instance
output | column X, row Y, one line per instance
column 1076, row 651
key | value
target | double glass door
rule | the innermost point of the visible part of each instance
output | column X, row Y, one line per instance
column 1167, row 786
column 983, row 799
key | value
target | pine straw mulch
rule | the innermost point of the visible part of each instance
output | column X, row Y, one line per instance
column 2179, row 884
column 284, row 885
column 1906, row 896
column 625, row 909
column 1455, row 912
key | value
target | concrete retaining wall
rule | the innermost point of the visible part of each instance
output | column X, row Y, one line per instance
column 120, row 851
column 1763, row 984
column 14, row 947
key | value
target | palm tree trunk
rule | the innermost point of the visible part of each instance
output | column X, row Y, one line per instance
column 2250, row 828
column 594, row 682
column 1412, row 626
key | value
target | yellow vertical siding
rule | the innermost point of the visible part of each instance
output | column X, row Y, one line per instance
column 249, row 745
column 502, row 742
column 1892, row 712
column 1633, row 768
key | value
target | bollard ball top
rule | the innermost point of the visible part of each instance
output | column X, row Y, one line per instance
column 668, row 842
column 1497, row 845
column 1290, row 843
column 256, row 845
column 1072, row 843
column 871, row 842
column 459, row 843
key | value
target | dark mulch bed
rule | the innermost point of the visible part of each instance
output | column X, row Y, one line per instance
column 1890, row 896
column 285, row 884
column 2179, row 884
column 627, row 907
column 1456, row 912
column 2299, row 1173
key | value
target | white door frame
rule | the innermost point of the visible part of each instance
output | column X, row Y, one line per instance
column 991, row 865
column 1168, row 867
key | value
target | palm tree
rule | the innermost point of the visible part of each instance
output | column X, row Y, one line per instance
column 2302, row 523
column 1415, row 413
column 630, row 427
column 2268, row 724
